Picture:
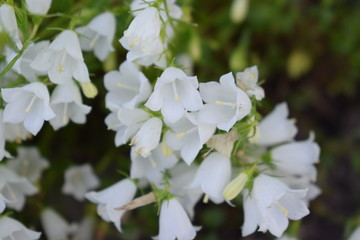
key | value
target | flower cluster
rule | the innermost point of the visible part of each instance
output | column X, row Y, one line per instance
column 189, row 140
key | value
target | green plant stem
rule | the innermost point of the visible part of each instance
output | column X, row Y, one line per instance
column 26, row 44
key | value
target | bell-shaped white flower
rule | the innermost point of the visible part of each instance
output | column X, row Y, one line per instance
column 8, row 24
column 63, row 59
column 174, row 223
column 181, row 176
column 297, row 158
column 355, row 235
column 153, row 166
column 148, row 137
column 115, row 196
column 67, row 104
column 28, row 104
column 212, row 176
column 271, row 204
column 142, row 38
column 28, row 163
column 13, row 189
column 22, row 65
column 174, row 94
column 127, row 87
column 16, row 132
column 79, row 180
column 247, row 81
column 55, row 226
column 171, row 9
column 126, row 123
column 188, row 135
column 38, row 7
column 13, row 229
column 225, row 103
column 98, row 35
column 276, row 128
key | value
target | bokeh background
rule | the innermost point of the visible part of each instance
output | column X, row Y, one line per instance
column 308, row 54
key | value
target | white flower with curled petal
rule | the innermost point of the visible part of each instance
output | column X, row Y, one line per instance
column 98, row 35
column 297, row 158
column 225, row 103
column 16, row 132
column 28, row 163
column 79, row 180
column 28, row 104
column 212, row 176
column 148, row 137
column 12, row 229
column 22, row 65
column 63, row 59
column 247, row 81
column 142, row 38
column 39, row 7
column 67, row 104
column 13, row 189
column 127, row 87
column 8, row 24
column 276, row 128
column 188, row 135
column 181, row 176
column 171, row 9
column 55, row 226
column 174, row 223
column 174, row 94
column 271, row 204
column 126, row 123
column 153, row 166
column 115, row 196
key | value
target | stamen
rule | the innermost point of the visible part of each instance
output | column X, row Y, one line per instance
column 177, row 98
column 93, row 42
column 206, row 198
column 28, row 108
column 134, row 42
column 233, row 105
column 183, row 134
column 65, row 118
column 282, row 208
column 127, row 87
column 11, row 193
column 153, row 162
column 61, row 66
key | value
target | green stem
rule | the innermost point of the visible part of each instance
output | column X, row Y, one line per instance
column 26, row 44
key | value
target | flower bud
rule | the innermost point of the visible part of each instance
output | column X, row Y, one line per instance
column 239, row 10
column 89, row 89
column 235, row 186
column 298, row 63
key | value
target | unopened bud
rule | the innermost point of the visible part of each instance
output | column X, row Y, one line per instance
column 235, row 186
column 239, row 10
column 89, row 89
